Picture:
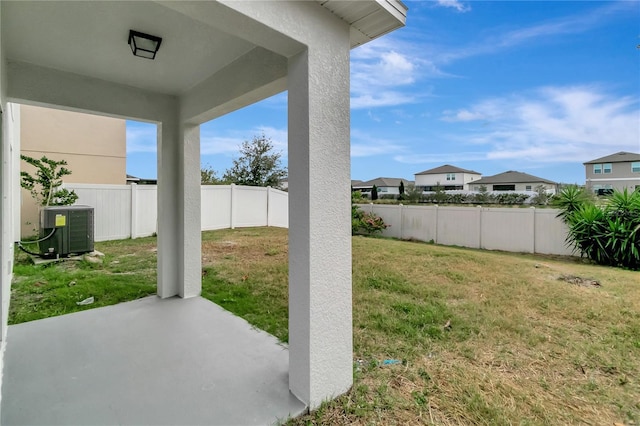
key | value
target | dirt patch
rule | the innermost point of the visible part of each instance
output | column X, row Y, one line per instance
column 584, row 282
column 250, row 249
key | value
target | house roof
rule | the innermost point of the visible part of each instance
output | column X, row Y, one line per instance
column 356, row 182
column 447, row 168
column 618, row 157
column 511, row 177
column 384, row 181
column 368, row 19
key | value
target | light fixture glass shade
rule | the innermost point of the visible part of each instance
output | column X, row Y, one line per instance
column 144, row 45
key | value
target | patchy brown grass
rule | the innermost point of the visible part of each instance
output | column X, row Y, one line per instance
column 482, row 338
column 523, row 346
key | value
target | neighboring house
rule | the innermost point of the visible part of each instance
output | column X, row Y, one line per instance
column 94, row 148
column 140, row 181
column 355, row 183
column 284, row 184
column 514, row 181
column 384, row 185
column 615, row 171
column 447, row 177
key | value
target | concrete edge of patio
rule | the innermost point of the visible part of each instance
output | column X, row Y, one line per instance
column 149, row 361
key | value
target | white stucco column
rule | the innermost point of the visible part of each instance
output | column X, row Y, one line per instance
column 320, row 318
column 189, row 215
column 179, row 237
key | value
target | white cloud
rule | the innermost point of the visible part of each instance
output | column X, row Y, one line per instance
column 441, row 158
column 381, row 99
column 549, row 29
column 455, row 4
column 211, row 144
column 461, row 115
column 365, row 145
column 141, row 137
column 385, row 72
column 390, row 71
column 553, row 124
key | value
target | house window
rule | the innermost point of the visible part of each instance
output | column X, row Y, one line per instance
column 451, row 176
column 635, row 167
column 382, row 189
column 527, row 188
column 504, row 187
column 602, row 168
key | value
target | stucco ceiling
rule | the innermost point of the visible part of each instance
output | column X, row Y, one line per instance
column 90, row 38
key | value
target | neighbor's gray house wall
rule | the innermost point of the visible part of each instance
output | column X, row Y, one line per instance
column 621, row 177
column 550, row 188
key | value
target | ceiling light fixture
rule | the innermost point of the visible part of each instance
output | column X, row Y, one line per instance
column 144, row 45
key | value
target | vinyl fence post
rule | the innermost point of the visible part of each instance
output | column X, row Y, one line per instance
column 480, row 210
column 232, row 203
column 533, row 229
column 435, row 240
column 401, row 213
column 268, row 204
column 134, row 207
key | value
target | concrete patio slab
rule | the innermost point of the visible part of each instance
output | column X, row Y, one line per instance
column 148, row 362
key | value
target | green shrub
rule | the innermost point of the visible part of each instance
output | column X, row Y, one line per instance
column 365, row 223
column 608, row 234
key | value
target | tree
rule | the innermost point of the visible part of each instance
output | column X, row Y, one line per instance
column 374, row 193
column 541, row 197
column 401, row 191
column 208, row 176
column 45, row 185
column 414, row 193
column 439, row 195
column 483, row 195
column 257, row 165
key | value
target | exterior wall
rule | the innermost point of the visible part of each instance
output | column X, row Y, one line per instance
column 93, row 146
column 621, row 177
column 130, row 211
column 551, row 189
column 518, row 230
column 462, row 179
column 6, row 212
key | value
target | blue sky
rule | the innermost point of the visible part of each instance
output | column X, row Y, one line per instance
column 538, row 87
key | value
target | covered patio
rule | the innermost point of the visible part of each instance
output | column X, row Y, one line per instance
column 81, row 369
column 177, row 358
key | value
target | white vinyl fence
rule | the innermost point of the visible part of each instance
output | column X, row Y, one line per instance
column 526, row 230
column 130, row 211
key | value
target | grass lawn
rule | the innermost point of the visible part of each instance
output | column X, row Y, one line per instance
column 521, row 346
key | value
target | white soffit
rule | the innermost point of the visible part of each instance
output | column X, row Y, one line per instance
column 90, row 38
column 368, row 19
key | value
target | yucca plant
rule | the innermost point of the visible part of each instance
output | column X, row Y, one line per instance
column 569, row 200
column 608, row 234
column 624, row 204
column 586, row 231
